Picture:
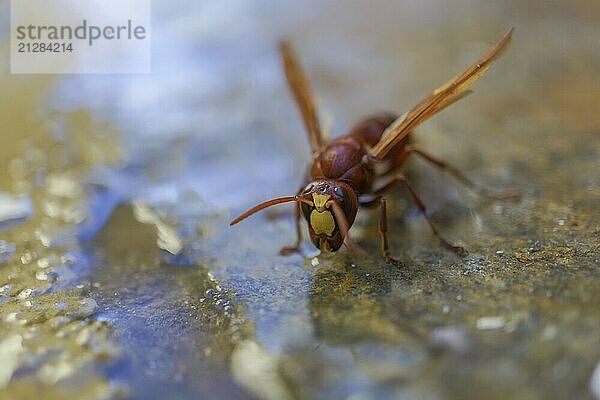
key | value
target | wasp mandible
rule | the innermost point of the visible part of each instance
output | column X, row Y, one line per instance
column 343, row 176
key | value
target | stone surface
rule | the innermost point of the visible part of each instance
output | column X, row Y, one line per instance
column 127, row 282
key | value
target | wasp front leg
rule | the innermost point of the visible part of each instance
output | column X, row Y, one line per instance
column 288, row 250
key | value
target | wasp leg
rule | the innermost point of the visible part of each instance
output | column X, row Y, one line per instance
column 480, row 190
column 385, row 251
column 461, row 251
column 288, row 250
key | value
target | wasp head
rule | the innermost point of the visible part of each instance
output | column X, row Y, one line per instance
column 331, row 214
column 328, row 206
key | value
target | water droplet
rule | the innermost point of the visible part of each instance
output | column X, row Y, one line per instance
column 43, row 262
column 63, row 185
column 68, row 258
column 25, row 293
column 43, row 237
column 41, row 275
column 490, row 323
column 26, row 258
column 168, row 238
column 84, row 308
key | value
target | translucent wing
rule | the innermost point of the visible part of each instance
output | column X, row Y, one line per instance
column 302, row 94
column 442, row 97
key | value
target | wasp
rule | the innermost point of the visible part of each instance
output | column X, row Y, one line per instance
column 343, row 174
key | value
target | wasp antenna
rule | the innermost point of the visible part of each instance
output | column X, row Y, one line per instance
column 269, row 203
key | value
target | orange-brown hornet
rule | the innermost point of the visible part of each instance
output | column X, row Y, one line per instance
column 343, row 175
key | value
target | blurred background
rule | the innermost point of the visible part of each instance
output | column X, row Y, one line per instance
column 119, row 274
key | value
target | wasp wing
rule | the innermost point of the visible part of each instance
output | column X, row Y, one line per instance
column 302, row 94
column 442, row 97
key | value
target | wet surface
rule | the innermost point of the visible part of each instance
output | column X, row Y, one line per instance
column 119, row 274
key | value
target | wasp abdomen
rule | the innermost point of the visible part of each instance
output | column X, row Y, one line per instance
column 370, row 129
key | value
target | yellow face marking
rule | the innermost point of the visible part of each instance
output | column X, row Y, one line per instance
column 320, row 200
column 322, row 222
